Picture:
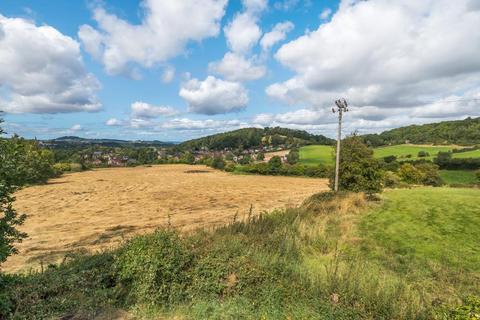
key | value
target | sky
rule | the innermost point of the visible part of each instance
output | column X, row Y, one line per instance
column 176, row 70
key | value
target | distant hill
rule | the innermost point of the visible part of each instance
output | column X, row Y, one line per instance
column 255, row 137
column 461, row 132
column 73, row 141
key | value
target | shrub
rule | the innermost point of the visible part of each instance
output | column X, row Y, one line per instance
column 218, row 163
column 246, row 159
column 409, row 174
column 275, row 164
column 230, row 167
column 391, row 180
column 359, row 170
column 10, row 179
column 430, row 174
column 188, row 158
column 154, row 268
column 423, row 154
column 389, row 159
column 261, row 156
column 477, row 173
column 293, row 156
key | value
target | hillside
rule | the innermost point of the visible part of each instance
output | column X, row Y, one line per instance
column 460, row 132
column 73, row 141
column 255, row 137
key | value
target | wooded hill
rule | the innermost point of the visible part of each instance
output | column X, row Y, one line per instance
column 255, row 137
column 461, row 132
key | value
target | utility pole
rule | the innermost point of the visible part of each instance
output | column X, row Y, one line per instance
column 342, row 107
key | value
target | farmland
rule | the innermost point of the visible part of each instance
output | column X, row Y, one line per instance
column 96, row 209
column 407, row 256
column 316, row 154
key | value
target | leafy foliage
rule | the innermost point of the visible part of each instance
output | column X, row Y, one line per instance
column 293, row 156
column 359, row 170
column 10, row 180
column 462, row 132
column 253, row 138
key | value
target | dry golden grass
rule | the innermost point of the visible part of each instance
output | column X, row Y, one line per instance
column 97, row 209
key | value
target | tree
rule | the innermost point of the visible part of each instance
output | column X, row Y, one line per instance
column 9, row 218
column 218, row 163
column 293, row 156
column 188, row 158
column 359, row 170
column 275, row 164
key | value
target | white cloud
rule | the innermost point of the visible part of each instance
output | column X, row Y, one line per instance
column 76, row 127
column 235, row 67
column 114, row 122
column 168, row 74
column 286, row 4
column 189, row 124
column 255, row 6
column 242, row 33
column 385, row 54
column 214, row 96
column 165, row 30
column 278, row 33
column 142, row 110
column 41, row 71
column 298, row 117
column 325, row 14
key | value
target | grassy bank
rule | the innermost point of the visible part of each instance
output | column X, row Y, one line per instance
column 411, row 255
column 459, row 177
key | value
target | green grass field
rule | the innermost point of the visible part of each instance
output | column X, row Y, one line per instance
column 403, row 150
column 427, row 230
column 468, row 154
column 314, row 155
column 459, row 177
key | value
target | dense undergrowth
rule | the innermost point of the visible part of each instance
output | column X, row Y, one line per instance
column 300, row 263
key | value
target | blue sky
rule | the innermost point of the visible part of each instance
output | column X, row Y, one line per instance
column 169, row 70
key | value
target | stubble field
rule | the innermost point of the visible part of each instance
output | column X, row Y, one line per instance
column 98, row 209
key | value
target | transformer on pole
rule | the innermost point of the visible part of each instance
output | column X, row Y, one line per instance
column 342, row 107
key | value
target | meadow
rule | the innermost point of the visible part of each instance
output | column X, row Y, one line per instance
column 98, row 209
column 316, row 154
column 319, row 154
column 412, row 254
column 458, row 177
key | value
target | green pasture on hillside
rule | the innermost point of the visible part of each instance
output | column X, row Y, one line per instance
column 403, row 150
column 316, row 154
column 468, row 154
column 459, row 177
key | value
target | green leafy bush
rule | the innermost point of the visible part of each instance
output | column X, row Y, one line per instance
column 218, row 163
column 359, row 170
column 423, row 154
column 391, row 180
column 410, row 174
column 293, row 156
column 154, row 268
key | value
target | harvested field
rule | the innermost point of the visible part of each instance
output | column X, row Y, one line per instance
column 97, row 209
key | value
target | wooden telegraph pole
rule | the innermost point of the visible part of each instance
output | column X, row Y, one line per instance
column 342, row 107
